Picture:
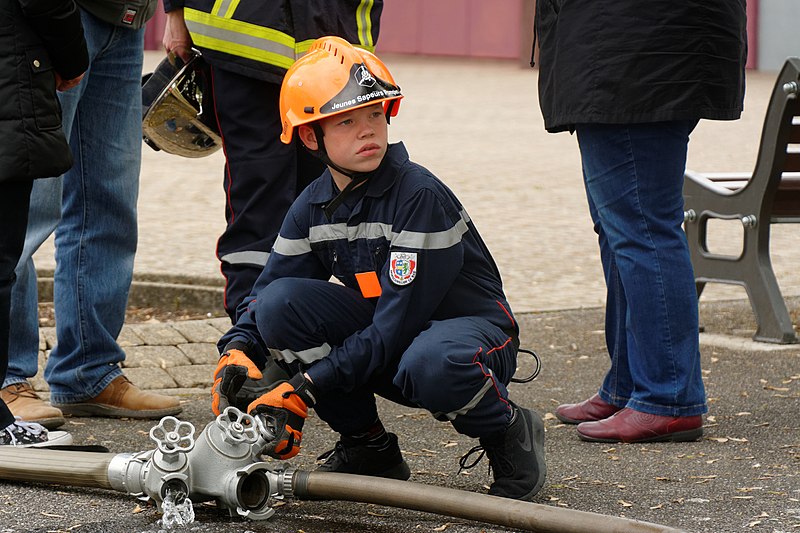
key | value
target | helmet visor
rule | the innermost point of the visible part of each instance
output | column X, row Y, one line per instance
column 175, row 127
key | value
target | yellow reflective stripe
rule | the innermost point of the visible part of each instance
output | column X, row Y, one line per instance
column 240, row 38
column 231, row 8
column 216, row 8
column 218, row 31
column 302, row 47
column 241, row 50
column 364, row 23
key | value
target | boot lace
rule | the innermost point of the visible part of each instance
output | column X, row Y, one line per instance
column 23, row 390
column 499, row 462
column 462, row 463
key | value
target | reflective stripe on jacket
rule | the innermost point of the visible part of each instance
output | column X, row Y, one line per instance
column 262, row 40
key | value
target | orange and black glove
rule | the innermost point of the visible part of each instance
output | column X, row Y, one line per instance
column 284, row 410
column 233, row 369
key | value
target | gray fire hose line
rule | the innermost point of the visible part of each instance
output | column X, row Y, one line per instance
column 79, row 469
column 92, row 470
column 460, row 504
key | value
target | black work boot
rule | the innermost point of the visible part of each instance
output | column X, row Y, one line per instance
column 517, row 457
column 367, row 460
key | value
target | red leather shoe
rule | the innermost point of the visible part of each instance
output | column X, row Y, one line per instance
column 634, row 426
column 587, row 411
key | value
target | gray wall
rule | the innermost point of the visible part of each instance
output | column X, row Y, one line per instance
column 778, row 32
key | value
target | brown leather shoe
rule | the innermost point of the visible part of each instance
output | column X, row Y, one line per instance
column 23, row 402
column 634, row 426
column 587, row 411
column 123, row 399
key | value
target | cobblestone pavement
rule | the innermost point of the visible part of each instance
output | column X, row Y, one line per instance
column 179, row 357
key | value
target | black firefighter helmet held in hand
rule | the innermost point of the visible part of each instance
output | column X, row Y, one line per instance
column 177, row 114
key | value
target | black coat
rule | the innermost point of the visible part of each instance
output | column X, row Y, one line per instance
column 633, row 61
column 37, row 38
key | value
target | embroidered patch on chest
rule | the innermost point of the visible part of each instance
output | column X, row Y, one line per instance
column 402, row 267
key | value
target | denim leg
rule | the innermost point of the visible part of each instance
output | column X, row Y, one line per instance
column 96, row 238
column 23, row 347
column 618, row 383
column 634, row 179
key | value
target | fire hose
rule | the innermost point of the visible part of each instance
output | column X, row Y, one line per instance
column 223, row 464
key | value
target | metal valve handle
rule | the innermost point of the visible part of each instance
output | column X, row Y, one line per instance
column 237, row 427
column 173, row 436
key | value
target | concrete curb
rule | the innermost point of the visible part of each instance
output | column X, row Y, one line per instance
column 197, row 294
column 166, row 292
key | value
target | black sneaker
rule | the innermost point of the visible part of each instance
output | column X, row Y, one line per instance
column 516, row 458
column 386, row 461
column 32, row 435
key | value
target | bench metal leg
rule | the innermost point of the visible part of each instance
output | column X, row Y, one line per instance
column 772, row 316
column 753, row 270
column 757, row 199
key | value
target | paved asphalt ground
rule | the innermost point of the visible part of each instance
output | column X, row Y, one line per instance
column 744, row 475
column 476, row 124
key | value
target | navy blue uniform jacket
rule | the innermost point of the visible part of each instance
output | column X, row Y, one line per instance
column 405, row 209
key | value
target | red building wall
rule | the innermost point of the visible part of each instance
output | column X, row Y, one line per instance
column 752, row 33
column 473, row 28
column 468, row 28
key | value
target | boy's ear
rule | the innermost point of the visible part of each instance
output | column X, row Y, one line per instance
column 308, row 136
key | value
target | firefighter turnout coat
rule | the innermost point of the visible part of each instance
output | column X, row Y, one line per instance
column 262, row 39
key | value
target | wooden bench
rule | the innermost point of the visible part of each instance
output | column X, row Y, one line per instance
column 768, row 195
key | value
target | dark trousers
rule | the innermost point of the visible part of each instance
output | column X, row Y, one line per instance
column 15, row 197
column 263, row 176
column 456, row 368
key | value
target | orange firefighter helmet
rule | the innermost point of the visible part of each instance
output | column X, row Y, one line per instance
column 332, row 78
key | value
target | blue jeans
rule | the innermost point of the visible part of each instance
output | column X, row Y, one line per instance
column 97, row 232
column 634, row 181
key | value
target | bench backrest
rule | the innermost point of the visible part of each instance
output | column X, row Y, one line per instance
column 779, row 151
column 780, row 137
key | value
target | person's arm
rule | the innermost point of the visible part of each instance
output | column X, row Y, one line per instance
column 65, row 85
column 58, row 25
column 177, row 40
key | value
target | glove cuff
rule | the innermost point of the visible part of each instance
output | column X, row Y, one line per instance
column 304, row 389
column 236, row 345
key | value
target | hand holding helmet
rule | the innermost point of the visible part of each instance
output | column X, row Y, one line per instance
column 177, row 40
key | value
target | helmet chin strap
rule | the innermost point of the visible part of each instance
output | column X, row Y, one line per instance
column 356, row 178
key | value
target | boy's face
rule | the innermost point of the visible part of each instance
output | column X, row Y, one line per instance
column 356, row 140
